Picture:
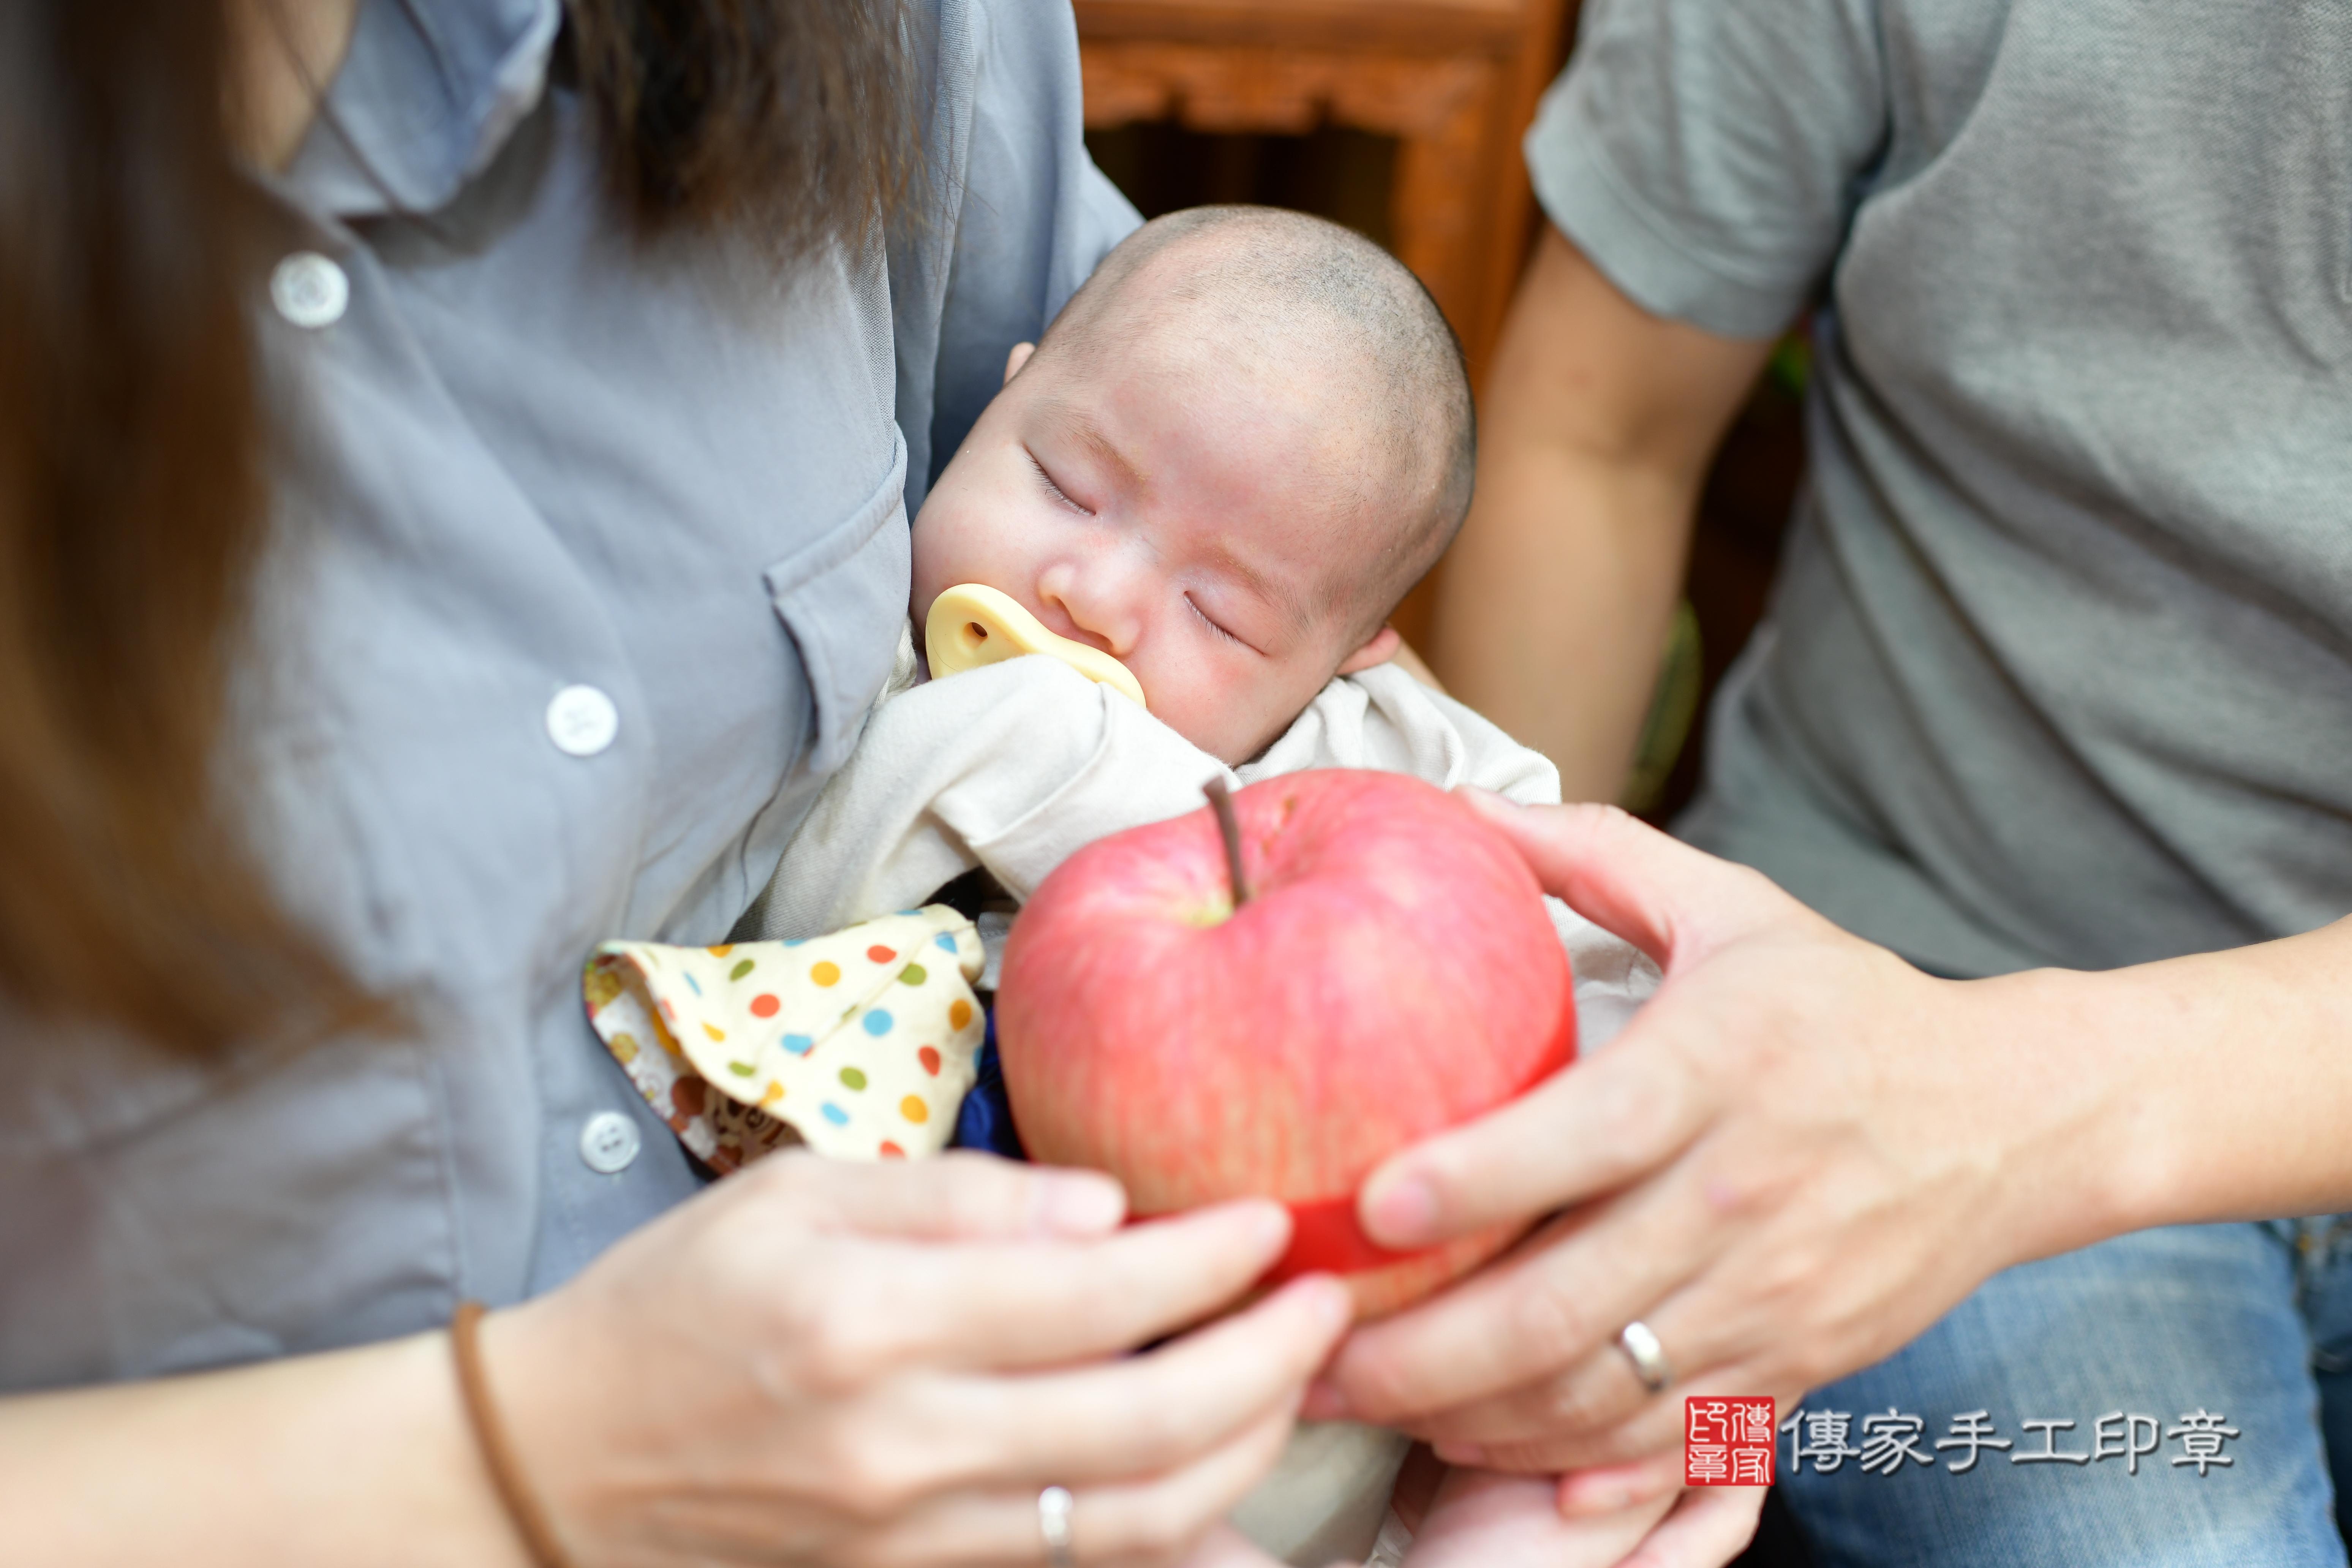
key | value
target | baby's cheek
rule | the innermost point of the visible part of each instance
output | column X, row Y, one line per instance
column 1233, row 716
column 1187, row 699
column 951, row 540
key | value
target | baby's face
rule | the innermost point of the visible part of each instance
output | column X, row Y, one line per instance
column 1191, row 518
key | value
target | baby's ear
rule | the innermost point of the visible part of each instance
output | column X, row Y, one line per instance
column 1379, row 650
column 1016, row 359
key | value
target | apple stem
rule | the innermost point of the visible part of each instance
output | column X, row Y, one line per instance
column 1221, row 800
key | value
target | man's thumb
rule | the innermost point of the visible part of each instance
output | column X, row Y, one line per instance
column 1662, row 895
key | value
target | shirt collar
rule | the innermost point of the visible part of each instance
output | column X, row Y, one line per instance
column 429, row 91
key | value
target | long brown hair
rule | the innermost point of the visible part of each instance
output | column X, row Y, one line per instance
column 794, row 120
column 134, row 441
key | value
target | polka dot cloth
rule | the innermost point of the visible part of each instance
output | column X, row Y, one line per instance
column 859, row 1044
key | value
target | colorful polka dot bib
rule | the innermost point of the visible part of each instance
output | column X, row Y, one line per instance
column 859, row 1044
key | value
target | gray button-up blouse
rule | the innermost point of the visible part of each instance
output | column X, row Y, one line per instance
column 594, row 554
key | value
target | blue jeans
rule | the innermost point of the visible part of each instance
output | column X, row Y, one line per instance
column 2172, row 1335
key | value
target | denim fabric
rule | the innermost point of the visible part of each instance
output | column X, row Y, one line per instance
column 2251, row 1323
column 984, row 1120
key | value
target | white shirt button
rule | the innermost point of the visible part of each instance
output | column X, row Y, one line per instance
column 582, row 721
column 609, row 1142
column 309, row 291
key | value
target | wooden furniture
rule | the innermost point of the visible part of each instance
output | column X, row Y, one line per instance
column 1454, row 82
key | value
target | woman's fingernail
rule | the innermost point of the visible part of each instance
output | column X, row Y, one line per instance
column 1402, row 1212
column 1324, row 1402
column 1083, row 1203
column 1461, row 1452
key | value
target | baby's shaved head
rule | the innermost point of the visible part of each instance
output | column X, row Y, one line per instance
column 1309, row 298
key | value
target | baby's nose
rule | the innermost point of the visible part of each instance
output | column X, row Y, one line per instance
column 1100, row 601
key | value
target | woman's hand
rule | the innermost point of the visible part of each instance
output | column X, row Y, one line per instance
column 828, row 1364
column 1797, row 1157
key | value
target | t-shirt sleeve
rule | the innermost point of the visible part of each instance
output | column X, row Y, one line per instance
column 1708, row 154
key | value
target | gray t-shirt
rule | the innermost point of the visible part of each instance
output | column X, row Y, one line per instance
column 2056, row 671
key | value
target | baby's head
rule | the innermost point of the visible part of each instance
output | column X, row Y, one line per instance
column 1235, row 452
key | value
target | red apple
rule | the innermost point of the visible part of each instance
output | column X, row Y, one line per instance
column 1392, row 972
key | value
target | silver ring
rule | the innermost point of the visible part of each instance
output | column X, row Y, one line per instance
column 1648, row 1356
column 1053, row 1524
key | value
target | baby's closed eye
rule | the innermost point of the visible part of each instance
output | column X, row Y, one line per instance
column 1045, row 476
column 1212, row 623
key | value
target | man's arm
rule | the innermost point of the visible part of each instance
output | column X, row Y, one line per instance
column 1595, row 432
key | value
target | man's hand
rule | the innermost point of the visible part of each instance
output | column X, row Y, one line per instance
column 1800, row 1154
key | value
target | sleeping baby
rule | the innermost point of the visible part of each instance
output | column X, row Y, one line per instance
column 1233, row 452
column 1229, row 457
column 1203, row 494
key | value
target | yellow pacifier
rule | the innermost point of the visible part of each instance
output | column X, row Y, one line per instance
column 972, row 624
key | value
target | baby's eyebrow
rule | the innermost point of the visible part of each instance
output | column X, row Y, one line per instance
column 1074, row 423
column 1274, row 590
